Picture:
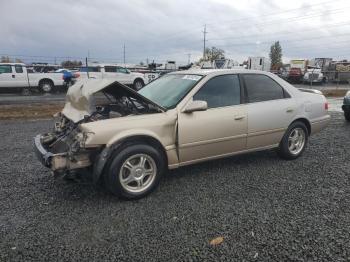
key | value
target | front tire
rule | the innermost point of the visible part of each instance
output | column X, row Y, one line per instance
column 134, row 171
column 294, row 141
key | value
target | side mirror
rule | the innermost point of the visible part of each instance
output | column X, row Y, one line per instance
column 196, row 105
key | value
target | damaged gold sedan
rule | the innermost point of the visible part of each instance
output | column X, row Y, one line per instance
column 127, row 139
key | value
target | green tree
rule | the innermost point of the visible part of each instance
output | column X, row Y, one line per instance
column 213, row 53
column 71, row 64
column 276, row 56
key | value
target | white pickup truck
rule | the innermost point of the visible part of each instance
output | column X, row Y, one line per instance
column 16, row 76
column 112, row 71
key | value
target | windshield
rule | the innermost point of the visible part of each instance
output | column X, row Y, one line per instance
column 168, row 90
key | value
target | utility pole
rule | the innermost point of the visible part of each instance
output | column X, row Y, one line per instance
column 204, row 39
column 189, row 59
column 124, row 54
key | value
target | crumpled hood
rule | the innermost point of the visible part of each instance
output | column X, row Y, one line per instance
column 80, row 100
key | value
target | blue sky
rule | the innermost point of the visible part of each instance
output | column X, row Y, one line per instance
column 160, row 30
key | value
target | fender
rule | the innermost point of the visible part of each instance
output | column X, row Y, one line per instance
column 133, row 132
column 113, row 144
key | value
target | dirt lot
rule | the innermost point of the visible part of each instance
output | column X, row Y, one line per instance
column 34, row 111
column 264, row 208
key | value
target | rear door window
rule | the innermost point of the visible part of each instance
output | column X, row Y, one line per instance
column 262, row 88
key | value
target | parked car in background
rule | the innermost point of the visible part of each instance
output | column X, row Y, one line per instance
column 296, row 71
column 68, row 76
column 346, row 106
column 16, row 76
column 111, row 71
column 128, row 138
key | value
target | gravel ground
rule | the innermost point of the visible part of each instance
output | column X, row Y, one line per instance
column 265, row 208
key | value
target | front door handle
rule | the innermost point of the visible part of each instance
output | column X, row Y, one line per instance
column 289, row 110
column 239, row 117
column 13, row 76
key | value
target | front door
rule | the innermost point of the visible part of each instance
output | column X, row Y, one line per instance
column 218, row 131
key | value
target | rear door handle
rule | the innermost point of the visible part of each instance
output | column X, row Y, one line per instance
column 13, row 76
column 239, row 117
column 289, row 110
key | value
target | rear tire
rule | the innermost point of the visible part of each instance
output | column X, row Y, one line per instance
column 294, row 141
column 347, row 115
column 25, row 91
column 134, row 171
column 46, row 86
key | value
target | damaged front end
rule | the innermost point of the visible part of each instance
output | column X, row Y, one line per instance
column 64, row 149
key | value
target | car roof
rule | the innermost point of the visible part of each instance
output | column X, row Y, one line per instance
column 102, row 65
column 212, row 72
column 22, row 64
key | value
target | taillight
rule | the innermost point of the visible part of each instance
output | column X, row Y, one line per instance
column 326, row 106
column 76, row 75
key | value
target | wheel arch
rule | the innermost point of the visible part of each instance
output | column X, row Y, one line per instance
column 46, row 79
column 104, row 157
column 306, row 122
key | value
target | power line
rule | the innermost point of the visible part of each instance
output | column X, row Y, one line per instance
column 347, row 23
column 285, row 20
column 270, row 14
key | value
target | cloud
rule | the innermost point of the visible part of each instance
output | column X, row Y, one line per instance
column 170, row 30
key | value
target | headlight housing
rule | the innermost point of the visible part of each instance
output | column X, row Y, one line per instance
column 83, row 137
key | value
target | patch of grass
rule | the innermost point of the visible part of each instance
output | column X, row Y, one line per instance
column 33, row 111
column 334, row 92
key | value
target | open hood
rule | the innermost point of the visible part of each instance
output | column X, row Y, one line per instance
column 80, row 100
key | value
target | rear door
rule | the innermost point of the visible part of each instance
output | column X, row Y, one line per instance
column 270, row 110
column 20, row 76
column 221, row 129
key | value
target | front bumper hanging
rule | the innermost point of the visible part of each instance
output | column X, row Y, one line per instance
column 59, row 161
